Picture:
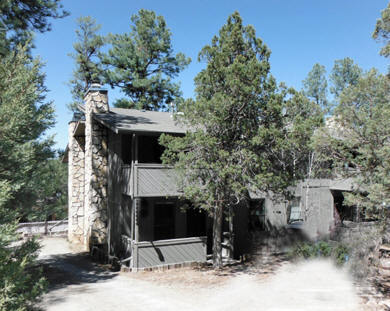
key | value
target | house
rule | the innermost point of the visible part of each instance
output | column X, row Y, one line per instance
column 122, row 200
column 125, row 203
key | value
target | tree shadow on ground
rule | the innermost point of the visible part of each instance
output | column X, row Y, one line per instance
column 72, row 269
column 267, row 252
column 263, row 266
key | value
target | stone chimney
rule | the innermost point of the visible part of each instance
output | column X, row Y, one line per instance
column 96, row 99
column 96, row 162
column 76, row 181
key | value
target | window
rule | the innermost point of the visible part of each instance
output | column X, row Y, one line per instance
column 295, row 210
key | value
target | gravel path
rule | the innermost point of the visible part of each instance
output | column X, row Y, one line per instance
column 76, row 284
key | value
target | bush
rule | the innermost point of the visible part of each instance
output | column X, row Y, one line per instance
column 307, row 250
column 341, row 254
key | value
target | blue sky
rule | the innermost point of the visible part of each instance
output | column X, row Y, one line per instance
column 299, row 33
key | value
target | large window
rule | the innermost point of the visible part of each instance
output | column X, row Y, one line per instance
column 295, row 213
column 164, row 221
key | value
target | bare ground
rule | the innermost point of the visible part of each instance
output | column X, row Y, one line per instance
column 269, row 284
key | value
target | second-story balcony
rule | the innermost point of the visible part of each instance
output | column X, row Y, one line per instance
column 149, row 180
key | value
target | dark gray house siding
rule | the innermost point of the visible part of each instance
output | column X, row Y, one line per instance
column 143, row 210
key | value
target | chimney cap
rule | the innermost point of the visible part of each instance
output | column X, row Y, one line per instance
column 96, row 87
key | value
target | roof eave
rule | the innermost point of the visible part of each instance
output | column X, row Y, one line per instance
column 126, row 130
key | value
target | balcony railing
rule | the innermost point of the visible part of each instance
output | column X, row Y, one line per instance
column 168, row 252
column 149, row 180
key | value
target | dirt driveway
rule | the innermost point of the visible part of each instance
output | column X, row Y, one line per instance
column 76, row 284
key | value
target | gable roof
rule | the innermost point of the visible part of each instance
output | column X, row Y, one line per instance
column 132, row 120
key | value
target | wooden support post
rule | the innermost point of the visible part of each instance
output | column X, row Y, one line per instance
column 135, row 148
column 136, row 208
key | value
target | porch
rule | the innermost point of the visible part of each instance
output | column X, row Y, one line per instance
column 172, row 252
column 164, row 232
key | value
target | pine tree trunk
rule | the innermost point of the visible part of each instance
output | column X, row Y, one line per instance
column 217, row 235
column 231, row 234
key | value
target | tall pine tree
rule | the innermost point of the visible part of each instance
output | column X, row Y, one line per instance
column 345, row 73
column 143, row 65
column 19, row 18
column 88, row 67
column 24, row 117
column 315, row 85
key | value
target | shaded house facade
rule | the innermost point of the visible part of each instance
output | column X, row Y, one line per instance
column 125, row 203
column 122, row 200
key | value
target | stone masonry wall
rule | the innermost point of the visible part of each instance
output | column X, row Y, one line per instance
column 76, row 186
column 96, row 165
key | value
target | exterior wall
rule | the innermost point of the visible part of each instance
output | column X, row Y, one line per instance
column 319, row 214
column 317, row 206
column 126, row 216
column 76, row 210
column 276, row 212
column 96, row 166
column 319, row 209
column 116, row 214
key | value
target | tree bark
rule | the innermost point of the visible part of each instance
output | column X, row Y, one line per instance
column 217, row 236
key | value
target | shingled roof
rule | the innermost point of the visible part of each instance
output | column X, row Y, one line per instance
column 132, row 120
